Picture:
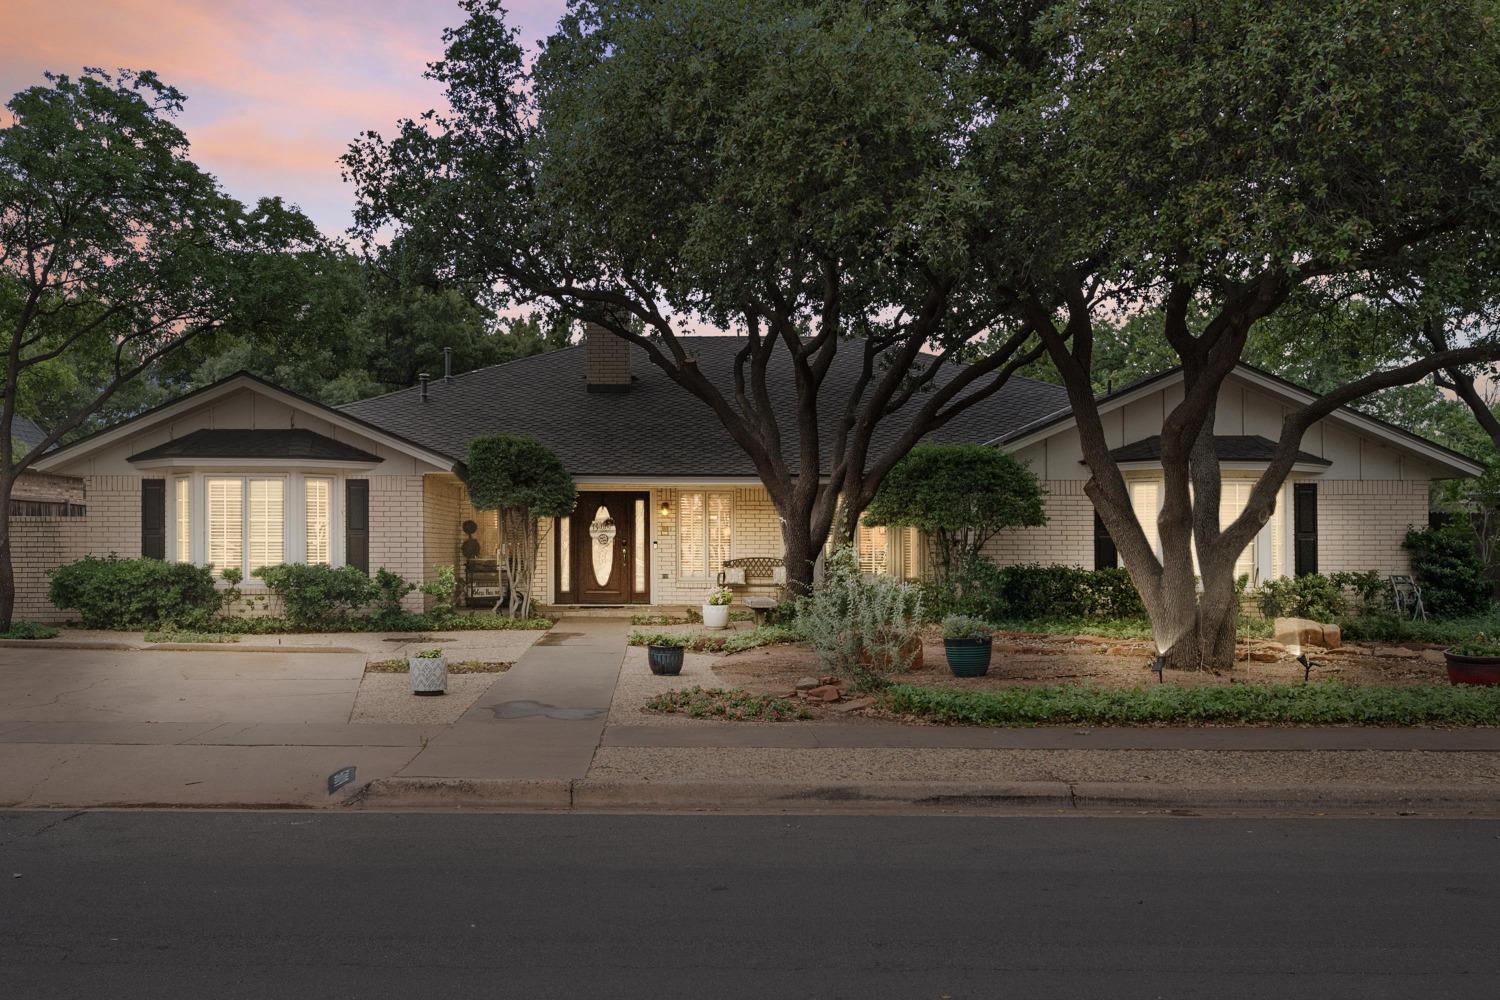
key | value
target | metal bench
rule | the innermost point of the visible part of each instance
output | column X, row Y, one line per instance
column 746, row 571
column 1407, row 597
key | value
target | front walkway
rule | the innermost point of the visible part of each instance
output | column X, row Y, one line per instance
column 541, row 720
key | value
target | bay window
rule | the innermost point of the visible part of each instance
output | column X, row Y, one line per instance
column 246, row 522
column 182, row 521
column 1262, row 559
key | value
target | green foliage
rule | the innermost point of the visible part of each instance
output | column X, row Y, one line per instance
column 1371, row 587
column 719, row 642
column 20, row 629
column 117, row 593
column 1031, row 592
column 520, row 473
column 1114, row 628
column 722, row 703
column 443, row 591
column 271, row 625
column 1449, row 571
column 1478, row 645
column 964, row 627
column 189, row 635
column 862, row 627
column 317, row 595
column 390, row 588
column 720, row 598
column 1318, row 703
column 1313, row 596
column 429, row 654
column 403, row 666
column 667, row 640
column 960, row 496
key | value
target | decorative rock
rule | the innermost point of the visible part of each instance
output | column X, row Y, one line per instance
column 856, row 705
column 1398, row 652
column 830, row 679
column 1434, row 656
column 807, row 683
column 1263, row 656
column 1333, row 637
column 826, row 692
column 1302, row 632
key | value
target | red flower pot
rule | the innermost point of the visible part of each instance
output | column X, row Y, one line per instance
column 1472, row 669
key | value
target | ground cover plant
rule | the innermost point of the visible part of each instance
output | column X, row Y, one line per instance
column 1440, row 631
column 719, row 642
column 1318, row 703
column 188, row 635
column 20, row 629
column 727, row 703
column 401, row 666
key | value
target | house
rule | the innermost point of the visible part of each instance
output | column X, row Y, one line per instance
column 245, row 473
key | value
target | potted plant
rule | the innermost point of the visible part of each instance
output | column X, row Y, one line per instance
column 716, row 609
column 664, row 653
column 967, row 643
column 1474, row 661
column 429, row 672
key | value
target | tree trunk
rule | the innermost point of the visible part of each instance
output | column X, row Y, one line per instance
column 1218, row 614
column 7, row 572
column 800, row 555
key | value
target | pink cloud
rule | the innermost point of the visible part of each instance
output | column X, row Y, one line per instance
column 276, row 88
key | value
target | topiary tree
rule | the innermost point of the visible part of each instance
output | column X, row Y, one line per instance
column 960, row 495
column 521, row 479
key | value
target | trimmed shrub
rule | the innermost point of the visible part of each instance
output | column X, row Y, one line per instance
column 318, row 595
column 1312, row 596
column 1033, row 592
column 390, row 588
column 117, row 593
column 1447, row 567
column 862, row 627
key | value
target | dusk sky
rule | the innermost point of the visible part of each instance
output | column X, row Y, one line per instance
column 275, row 88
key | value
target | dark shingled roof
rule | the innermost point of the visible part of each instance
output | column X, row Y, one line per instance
column 293, row 444
column 24, row 430
column 1229, row 448
column 656, row 428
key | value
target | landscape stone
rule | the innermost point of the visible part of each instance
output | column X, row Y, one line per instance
column 826, row 692
column 807, row 683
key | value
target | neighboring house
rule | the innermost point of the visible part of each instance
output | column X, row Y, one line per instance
column 245, row 473
column 35, row 494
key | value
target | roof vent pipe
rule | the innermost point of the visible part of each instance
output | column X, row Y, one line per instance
column 422, row 378
column 447, row 364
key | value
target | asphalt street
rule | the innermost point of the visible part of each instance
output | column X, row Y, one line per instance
column 301, row 905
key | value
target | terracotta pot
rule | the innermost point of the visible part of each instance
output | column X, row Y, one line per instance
column 1482, row 670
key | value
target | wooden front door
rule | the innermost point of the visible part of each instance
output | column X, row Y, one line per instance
column 607, row 550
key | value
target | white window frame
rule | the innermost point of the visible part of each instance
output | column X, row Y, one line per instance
column 708, row 572
column 294, row 514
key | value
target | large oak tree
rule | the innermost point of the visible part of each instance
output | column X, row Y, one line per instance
column 1214, row 161
column 116, row 250
column 792, row 171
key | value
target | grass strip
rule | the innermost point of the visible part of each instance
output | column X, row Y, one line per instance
column 186, row 635
column 1319, row 703
column 727, row 703
column 458, row 667
column 736, row 641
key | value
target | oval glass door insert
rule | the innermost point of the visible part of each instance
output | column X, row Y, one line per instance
column 602, row 538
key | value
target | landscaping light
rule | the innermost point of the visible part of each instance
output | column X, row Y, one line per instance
column 1158, row 664
column 1307, row 665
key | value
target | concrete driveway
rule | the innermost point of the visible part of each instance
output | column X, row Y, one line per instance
column 89, row 727
column 89, row 685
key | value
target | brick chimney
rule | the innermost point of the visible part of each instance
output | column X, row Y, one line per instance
column 606, row 360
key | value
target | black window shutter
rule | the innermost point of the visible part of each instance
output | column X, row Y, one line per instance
column 1105, row 554
column 154, row 518
column 1305, row 528
column 357, row 524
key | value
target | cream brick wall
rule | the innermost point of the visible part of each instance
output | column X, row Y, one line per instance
column 1066, row 539
column 397, row 530
column 442, row 514
column 1361, row 523
column 38, row 545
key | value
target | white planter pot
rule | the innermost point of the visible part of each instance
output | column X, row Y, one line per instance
column 429, row 675
column 715, row 616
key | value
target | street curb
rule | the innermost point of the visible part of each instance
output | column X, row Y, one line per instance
column 692, row 796
column 168, row 647
column 450, row 793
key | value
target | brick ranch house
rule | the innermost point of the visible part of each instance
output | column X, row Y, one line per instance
column 245, row 473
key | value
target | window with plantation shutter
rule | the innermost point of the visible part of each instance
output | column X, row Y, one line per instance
column 1145, row 501
column 265, row 526
column 182, row 519
column 872, row 545
column 318, row 512
column 690, row 537
column 718, row 531
column 911, row 553
column 224, row 499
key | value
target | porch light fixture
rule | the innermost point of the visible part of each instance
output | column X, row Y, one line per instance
column 666, row 508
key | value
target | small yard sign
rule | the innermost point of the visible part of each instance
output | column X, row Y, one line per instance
column 338, row 779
